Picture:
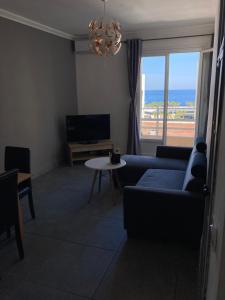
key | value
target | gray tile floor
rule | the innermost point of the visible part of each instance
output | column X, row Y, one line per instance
column 75, row 250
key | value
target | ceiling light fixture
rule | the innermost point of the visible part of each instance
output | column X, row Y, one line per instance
column 105, row 37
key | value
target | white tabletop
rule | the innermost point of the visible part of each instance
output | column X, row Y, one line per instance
column 103, row 163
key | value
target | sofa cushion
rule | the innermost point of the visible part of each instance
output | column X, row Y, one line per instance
column 174, row 152
column 200, row 144
column 162, row 179
column 138, row 164
column 198, row 164
column 196, row 172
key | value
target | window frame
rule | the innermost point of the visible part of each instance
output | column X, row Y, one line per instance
column 166, row 54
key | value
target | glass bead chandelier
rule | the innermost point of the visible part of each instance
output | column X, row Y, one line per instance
column 105, row 37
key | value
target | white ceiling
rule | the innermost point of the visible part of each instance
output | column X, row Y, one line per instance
column 73, row 16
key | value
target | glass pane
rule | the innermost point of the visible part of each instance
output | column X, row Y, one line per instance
column 152, row 97
column 181, row 113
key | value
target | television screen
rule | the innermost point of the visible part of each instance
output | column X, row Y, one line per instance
column 88, row 128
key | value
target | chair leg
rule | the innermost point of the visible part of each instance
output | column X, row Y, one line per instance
column 31, row 203
column 19, row 241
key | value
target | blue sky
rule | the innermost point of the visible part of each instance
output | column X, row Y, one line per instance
column 182, row 72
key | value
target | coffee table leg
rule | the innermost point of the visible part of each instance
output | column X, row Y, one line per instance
column 99, row 181
column 116, row 176
column 93, row 185
column 112, row 186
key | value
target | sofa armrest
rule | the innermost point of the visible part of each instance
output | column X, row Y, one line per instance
column 162, row 204
column 163, row 213
column 173, row 152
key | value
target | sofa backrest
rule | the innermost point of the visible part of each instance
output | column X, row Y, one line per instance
column 196, row 170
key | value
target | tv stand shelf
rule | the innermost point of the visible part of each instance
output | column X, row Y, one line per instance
column 80, row 152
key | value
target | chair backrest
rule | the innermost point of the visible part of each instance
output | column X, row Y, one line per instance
column 8, row 198
column 17, row 158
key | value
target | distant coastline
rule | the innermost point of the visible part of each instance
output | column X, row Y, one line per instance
column 181, row 97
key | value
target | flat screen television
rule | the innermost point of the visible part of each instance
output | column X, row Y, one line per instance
column 88, row 128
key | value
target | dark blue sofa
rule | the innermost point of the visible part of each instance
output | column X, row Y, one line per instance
column 163, row 195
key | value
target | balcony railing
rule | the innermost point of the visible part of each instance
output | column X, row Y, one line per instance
column 180, row 124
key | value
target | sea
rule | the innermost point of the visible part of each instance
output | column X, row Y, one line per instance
column 183, row 97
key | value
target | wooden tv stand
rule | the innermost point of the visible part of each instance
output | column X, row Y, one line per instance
column 79, row 152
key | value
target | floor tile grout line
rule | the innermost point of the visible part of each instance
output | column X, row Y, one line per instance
column 83, row 207
column 70, row 242
column 107, row 268
column 97, row 215
column 49, row 287
column 57, row 289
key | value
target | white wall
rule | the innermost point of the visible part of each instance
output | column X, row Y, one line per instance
column 37, row 90
column 102, row 87
column 217, row 258
column 102, row 84
column 216, row 283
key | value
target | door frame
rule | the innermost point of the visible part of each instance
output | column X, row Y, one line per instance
column 217, row 97
column 200, row 69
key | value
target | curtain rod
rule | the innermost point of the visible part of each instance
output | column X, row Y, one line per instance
column 175, row 37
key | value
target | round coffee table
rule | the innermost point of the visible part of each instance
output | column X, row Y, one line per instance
column 103, row 164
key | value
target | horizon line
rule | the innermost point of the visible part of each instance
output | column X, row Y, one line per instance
column 172, row 89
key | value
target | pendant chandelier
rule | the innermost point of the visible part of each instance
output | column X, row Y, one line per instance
column 105, row 37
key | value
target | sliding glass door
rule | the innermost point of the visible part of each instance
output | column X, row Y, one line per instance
column 182, row 104
column 152, row 97
column 168, row 98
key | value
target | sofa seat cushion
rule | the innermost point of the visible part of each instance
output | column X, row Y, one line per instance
column 138, row 164
column 162, row 179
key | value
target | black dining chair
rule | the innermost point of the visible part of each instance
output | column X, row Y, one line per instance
column 19, row 158
column 9, row 207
